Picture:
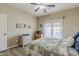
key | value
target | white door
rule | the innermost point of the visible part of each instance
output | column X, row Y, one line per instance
column 3, row 32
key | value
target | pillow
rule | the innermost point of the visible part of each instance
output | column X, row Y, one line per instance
column 76, row 35
column 63, row 51
column 76, row 45
column 70, row 41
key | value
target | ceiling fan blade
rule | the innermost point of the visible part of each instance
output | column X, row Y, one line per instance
column 37, row 9
column 34, row 3
column 50, row 5
column 44, row 10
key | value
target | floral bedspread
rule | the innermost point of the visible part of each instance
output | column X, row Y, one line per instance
column 44, row 47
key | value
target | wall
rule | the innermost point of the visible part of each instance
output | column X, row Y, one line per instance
column 16, row 16
column 71, row 20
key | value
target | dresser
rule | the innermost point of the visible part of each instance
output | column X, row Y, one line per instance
column 25, row 39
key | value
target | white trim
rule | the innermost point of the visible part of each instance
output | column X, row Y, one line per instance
column 12, row 46
column 5, row 31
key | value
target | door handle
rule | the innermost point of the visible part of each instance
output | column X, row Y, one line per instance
column 5, row 33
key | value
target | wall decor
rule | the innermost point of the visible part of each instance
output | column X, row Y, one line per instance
column 25, row 26
column 40, row 25
column 29, row 26
column 16, row 25
column 20, row 26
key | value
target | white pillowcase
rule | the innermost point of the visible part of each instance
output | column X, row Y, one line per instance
column 70, row 41
column 63, row 51
column 67, row 42
column 63, row 45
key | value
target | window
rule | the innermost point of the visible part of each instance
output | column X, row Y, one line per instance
column 47, row 31
column 57, row 30
column 53, row 29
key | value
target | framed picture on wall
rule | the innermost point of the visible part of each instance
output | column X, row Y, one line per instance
column 29, row 26
column 16, row 25
column 20, row 26
column 25, row 26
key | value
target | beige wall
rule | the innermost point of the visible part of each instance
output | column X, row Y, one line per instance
column 16, row 16
column 71, row 21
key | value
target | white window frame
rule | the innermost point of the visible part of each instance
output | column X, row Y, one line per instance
column 51, row 22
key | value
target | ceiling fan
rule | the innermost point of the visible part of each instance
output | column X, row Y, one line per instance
column 42, row 6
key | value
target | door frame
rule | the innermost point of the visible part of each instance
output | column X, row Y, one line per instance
column 6, row 29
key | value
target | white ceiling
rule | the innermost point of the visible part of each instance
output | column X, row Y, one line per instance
column 26, row 7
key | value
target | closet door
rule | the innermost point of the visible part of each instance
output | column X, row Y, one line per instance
column 3, row 32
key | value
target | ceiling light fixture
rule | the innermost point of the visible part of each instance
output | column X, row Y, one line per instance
column 42, row 7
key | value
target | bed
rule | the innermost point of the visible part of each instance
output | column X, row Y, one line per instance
column 46, row 47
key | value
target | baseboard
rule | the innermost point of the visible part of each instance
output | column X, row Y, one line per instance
column 12, row 46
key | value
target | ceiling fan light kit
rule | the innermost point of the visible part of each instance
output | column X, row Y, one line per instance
column 42, row 6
